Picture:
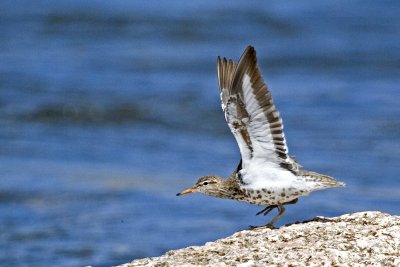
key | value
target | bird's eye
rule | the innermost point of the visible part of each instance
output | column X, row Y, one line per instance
column 205, row 183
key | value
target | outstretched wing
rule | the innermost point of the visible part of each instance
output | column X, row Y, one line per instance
column 251, row 114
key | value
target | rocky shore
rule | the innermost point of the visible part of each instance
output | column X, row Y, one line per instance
column 361, row 239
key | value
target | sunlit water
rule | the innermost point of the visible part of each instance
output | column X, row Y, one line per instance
column 109, row 108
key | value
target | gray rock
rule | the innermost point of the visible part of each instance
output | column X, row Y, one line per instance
column 359, row 239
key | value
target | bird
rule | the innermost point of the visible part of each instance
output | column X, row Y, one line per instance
column 266, row 174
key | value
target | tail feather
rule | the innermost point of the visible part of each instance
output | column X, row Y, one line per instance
column 326, row 180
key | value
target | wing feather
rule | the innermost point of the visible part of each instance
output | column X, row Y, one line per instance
column 250, row 112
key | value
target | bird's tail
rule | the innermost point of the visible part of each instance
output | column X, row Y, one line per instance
column 325, row 180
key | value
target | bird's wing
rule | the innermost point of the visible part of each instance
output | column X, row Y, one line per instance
column 250, row 112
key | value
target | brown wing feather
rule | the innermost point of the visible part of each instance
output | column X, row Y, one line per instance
column 250, row 111
column 226, row 70
column 248, row 65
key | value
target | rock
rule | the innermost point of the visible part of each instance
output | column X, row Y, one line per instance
column 362, row 239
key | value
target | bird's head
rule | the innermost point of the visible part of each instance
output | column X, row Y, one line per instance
column 208, row 185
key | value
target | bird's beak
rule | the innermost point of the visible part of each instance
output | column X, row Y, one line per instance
column 187, row 191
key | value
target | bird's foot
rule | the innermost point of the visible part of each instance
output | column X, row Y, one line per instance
column 270, row 226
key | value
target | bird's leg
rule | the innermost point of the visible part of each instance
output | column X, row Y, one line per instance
column 281, row 210
column 267, row 209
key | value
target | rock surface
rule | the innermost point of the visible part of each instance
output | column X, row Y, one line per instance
column 361, row 239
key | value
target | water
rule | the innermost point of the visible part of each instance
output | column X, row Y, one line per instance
column 109, row 108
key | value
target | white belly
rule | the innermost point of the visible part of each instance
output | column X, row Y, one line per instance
column 274, row 184
column 267, row 176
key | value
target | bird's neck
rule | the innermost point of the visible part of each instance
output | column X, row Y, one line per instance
column 226, row 189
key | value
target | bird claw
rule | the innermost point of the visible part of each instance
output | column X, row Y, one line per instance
column 270, row 226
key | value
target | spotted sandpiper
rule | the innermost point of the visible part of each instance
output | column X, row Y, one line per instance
column 266, row 174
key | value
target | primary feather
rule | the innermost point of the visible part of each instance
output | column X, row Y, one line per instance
column 251, row 114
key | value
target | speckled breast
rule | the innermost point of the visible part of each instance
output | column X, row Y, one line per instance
column 268, row 196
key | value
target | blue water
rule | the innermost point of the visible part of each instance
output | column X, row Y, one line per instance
column 109, row 108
